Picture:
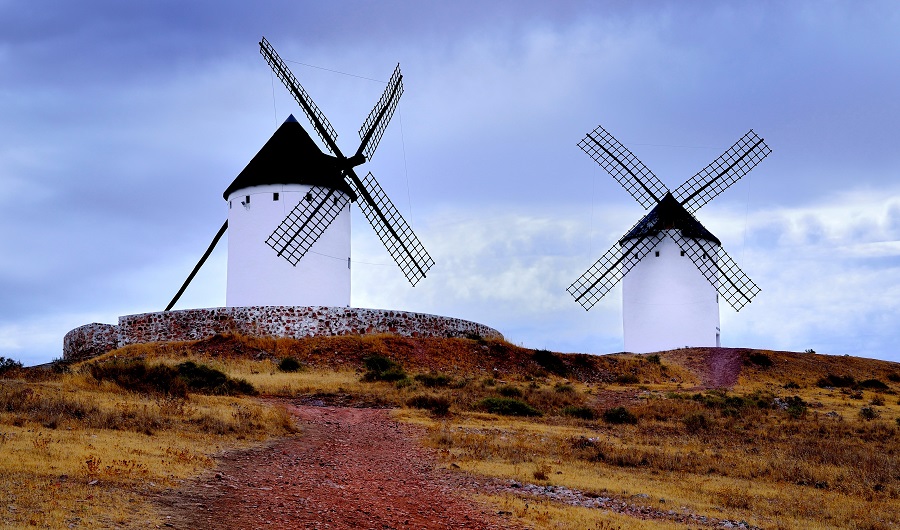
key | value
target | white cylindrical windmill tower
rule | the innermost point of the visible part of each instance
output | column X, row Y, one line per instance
column 667, row 302
column 672, row 268
column 289, row 172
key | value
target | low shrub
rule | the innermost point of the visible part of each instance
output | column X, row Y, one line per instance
column 177, row 381
column 868, row 413
column 894, row 377
column 202, row 378
column 791, row 385
column 878, row 401
column 836, row 381
column 439, row 406
column 550, row 361
column 760, row 359
column 796, row 407
column 654, row 358
column 434, row 380
column 696, row 422
column 564, row 388
column 872, row 384
column 626, row 379
column 580, row 412
column 136, row 376
column 380, row 368
column 289, row 364
column 8, row 365
column 509, row 391
column 542, row 472
column 507, row 407
column 619, row 416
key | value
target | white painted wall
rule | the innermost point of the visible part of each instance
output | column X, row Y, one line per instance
column 257, row 276
column 667, row 303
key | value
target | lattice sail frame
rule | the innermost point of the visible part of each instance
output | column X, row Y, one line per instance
column 719, row 269
column 609, row 270
column 622, row 165
column 306, row 223
column 722, row 172
column 394, row 232
column 377, row 121
column 320, row 123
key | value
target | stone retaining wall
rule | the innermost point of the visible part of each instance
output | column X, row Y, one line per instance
column 277, row 321
column 89, row 341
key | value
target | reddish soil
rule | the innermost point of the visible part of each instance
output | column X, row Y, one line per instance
column 716, row 367
column 350, row 468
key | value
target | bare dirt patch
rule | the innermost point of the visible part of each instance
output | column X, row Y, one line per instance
column 351, row 468
column 716, row 367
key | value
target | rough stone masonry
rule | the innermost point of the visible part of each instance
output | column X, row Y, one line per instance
column 270, row 321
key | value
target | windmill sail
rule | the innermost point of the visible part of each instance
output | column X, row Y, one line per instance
column 609, row 270
column 396, row 235
column 622, row 165
column 321, row 124
column 722, row 172
column 306, row 223
column 719, row 269
column 373, row 128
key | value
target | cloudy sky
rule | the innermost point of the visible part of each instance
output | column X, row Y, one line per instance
column 123, row 122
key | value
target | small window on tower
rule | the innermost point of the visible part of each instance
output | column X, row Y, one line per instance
column 275, row 196
column 248, row 200
column 682, row 253
column 308, row 197
column 657, row 253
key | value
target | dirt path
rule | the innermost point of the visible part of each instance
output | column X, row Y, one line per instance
column 724, row 368
column 350, row 469
column 717, row 367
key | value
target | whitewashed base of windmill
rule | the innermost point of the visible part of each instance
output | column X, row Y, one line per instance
column 667, row 303
column 258, row 276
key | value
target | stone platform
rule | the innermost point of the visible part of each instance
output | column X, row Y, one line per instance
column 271, row 321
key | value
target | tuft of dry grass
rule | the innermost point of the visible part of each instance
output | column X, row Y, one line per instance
column 81, row 452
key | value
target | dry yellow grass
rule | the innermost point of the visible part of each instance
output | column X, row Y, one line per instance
column 776, row 451
column 78, row 452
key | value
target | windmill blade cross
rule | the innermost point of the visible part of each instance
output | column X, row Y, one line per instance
column 719, row 269
column 320, row 123
column 394, row 232
column 373, row 128
column 609, row 270
column 306, row 223
column 624, row 167
column 722, row 172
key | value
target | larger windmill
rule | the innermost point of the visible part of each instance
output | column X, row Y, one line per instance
column 289, row 210
column 674, row 269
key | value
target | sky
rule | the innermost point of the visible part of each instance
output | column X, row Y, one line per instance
column 123, row 122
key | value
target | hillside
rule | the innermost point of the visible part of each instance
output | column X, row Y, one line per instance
column 681, row 439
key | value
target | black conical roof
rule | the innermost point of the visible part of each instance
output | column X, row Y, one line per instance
column 291, row 157
column 669, row 214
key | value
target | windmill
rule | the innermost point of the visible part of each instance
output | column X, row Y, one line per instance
column 674, row 269
column 289, row 210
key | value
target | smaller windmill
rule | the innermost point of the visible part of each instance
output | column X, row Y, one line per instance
column 289, row 210
column 674, row 269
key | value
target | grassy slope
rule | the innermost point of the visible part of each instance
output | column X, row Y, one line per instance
column 737, row 455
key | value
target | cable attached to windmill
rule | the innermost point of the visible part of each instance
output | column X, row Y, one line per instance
column 405, row 168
